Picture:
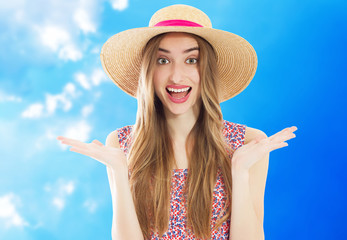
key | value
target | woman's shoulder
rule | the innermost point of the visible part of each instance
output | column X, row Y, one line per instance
column 249, row 133
column 234, row 133
column 252, row 133
column 112, row 139
column 228, row 124
column 232, row 129
column 118, row 134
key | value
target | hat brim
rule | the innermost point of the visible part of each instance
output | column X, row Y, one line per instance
column 121, row 57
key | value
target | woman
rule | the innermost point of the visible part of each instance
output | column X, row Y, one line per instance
column 180, row 69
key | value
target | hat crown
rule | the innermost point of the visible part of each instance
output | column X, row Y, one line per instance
column 180, row 12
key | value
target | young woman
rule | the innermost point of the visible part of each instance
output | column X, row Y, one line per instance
column 182, row 172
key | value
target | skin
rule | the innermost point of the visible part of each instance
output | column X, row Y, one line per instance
column 249, row 162
column 178, row 65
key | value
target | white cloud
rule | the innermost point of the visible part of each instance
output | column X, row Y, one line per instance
column 8, row 5
column 58, row 26
column 62, row 27
column 83, row 21
column 33, row 111
column 53, row 37
column 13, row 9
column 58, row 39
column 82, row 79
column 70, row 89
column 63, row 99
column 119, row 4
column 59, row 203
column 97, row 77
column 90, row 205
column 52, row 103
column 9, row 213
column 4, row 97
column 68, row 188
column 60, row 191
column 70, row 52
column 78, row 130
column 86, row 110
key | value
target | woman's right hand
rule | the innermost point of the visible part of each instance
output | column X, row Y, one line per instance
column 110, row 156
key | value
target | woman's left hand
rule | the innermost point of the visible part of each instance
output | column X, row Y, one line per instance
column 249, row 154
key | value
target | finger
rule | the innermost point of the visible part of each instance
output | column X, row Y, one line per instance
column 83, row 151
column 278, row 145
column 97, row 142
column 74, row 143
column 259, row 138
column 62, row 138
column 274, row 136
column 283, row 135
column 87, row 153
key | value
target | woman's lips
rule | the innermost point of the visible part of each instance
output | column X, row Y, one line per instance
column 177, row 86
column 178, row 95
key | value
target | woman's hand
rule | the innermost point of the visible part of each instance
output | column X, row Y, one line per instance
column 110, row 156
column 247, row 155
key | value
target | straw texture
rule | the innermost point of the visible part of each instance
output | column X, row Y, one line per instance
column 236, row 59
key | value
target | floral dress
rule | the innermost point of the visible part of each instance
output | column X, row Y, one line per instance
column 234, row 136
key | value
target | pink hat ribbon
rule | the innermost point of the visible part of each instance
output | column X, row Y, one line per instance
column 177, row 22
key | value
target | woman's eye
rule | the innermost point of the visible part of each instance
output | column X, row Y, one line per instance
column 163, row 61
column 191, row 60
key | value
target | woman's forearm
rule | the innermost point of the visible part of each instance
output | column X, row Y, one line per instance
column 125, row 224
column 245, row 224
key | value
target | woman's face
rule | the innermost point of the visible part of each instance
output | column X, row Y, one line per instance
column 176, row 74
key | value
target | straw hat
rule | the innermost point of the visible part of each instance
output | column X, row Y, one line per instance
column 236, row 59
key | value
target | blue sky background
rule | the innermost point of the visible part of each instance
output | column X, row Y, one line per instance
column 52, row 83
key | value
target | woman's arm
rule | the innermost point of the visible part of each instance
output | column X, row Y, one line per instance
column 248, row 196
column 125, row 224
column 249, row 172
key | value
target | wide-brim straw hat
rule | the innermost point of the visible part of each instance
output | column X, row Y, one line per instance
column 121, row 55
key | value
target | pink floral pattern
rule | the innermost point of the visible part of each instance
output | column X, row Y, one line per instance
column 234, row 136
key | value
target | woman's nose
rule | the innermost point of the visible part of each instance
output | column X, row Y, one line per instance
column 176, row 73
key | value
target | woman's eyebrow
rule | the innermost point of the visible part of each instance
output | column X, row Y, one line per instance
column 191, row 49
column 185, row 51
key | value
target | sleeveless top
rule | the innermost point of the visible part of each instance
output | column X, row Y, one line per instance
column 234, row 135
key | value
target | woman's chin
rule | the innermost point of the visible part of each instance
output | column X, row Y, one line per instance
column 176, row 110
column 180, row 110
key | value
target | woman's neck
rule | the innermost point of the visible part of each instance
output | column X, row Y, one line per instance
column 179, row 126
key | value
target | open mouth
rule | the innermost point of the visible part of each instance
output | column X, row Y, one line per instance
column 178, row 93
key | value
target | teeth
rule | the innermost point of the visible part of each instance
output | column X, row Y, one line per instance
column 178, row 90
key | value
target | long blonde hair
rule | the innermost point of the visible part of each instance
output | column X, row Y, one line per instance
column 151, row 156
